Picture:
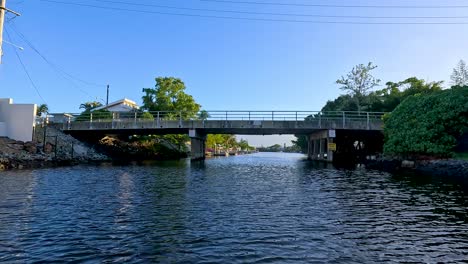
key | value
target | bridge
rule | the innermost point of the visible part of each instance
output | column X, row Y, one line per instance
column 323, row 129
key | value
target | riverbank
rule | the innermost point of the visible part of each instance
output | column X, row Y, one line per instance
column 449, row 168
column 28, row 155
column 52, row 148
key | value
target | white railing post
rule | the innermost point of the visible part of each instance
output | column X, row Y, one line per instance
column 272, row 115
column 344, row 119
column 158, row 122
column 368, row 121
column 135, row 118
column 249, row 115
column 90, row 120
column 226, row 116
column 320, row 119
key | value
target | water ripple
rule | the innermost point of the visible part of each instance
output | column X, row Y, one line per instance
column 261, row 208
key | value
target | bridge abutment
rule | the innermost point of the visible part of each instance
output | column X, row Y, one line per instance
column 319, row 147
column 198, row 143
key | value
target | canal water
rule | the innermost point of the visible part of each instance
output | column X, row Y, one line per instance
column 261, row 208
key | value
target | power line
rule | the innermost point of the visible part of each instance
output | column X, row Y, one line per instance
column 52, row 65
column 25, row 69
column 256, row 19
column 341, row 6
column 278, row 14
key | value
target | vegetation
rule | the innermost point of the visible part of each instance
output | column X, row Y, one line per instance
column 42, row 110
column 460, row 74
column 359, row 82
column 97, row 114
column 383, row 100
column 169, row 95
column 428, row 124
column 226, row 142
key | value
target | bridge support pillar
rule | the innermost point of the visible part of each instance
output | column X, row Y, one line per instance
column 197, row 141
column 319, row 147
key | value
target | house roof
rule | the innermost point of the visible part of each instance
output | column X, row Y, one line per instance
column 124, row 101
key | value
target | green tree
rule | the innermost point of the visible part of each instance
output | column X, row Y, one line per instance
column 301, row 143
column 42, row 110
column 203, row 115
column 427, row 124
column 97, row 114
column 359, row 82
column 460, row 74
column 169, row 96
column 88, row 106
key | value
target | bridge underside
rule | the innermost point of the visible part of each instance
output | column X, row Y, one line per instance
column 348, row 132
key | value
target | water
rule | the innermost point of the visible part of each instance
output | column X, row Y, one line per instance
column 262, row 208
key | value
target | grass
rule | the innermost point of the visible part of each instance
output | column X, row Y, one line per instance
column 461, row 156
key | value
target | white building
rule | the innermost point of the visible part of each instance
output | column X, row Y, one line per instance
column 120, row 106
column 17, row 121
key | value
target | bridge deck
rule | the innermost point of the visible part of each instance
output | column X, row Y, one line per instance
column 142, row 126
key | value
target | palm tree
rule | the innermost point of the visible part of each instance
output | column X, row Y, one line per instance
column 42, row 109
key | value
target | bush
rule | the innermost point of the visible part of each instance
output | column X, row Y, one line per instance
column 427, row 124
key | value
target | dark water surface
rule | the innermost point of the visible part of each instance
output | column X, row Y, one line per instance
column 263, row 208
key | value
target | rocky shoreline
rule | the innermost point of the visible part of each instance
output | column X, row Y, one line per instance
column 448, row 168
column 61, row 149
column 58, row 150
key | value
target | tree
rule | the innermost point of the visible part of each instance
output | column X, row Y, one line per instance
column 460, row 74
column 203, row 115
column 427, row 124
column 42, row 109
column 359, row 82
column 169, row 96
column 97, row 114
column 387, row 99
column 88, row 106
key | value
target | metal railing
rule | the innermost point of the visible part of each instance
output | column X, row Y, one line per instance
column 157, row 118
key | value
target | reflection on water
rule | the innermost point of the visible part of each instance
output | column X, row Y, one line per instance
column 261, row 208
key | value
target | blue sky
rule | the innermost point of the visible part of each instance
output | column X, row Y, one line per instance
column 226, row 64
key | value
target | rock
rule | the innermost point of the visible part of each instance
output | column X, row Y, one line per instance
column 408, row 164
column 30, row 147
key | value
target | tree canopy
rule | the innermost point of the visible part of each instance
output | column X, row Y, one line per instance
column 359, row 82
column 428, row 124
column 169, row 95
column 460, row 74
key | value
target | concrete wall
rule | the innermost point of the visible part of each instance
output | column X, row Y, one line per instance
column 17, row 121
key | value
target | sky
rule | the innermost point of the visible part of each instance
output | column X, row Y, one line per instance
column 260, row 63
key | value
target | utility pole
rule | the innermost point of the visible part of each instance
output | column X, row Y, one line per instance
column 2, row 20
column 107, row 97
column 3, row 10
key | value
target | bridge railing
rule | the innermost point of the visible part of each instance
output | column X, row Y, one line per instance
column 337, row 118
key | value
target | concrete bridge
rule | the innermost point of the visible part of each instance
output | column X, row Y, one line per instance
column 329, row 133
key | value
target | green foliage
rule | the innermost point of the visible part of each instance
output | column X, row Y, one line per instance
column 427, row 124
column 169, row 95
column 146, row 115
column 88, row 106
column 359, row 82
column 42, row 110
column 300, row 143
column 273, row 148
column 203, row 115
column 461, row 156
column 101, row 114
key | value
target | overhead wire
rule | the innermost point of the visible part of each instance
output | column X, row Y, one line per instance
column 25, row 69
column 276, row 14
column 253, row 19
column 62, row 73
column 340, row 6
column 56, row 67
